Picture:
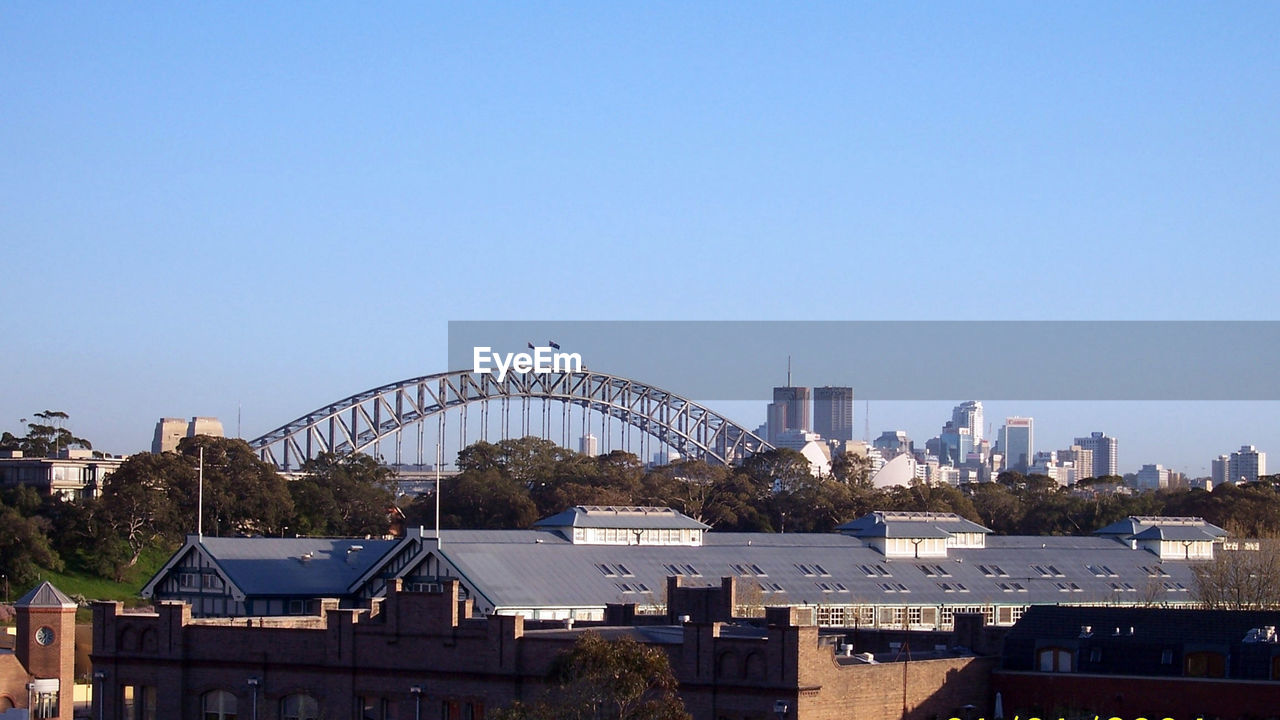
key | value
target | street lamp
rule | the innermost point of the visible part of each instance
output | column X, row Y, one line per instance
column 780, row 708
column 98, row 677
column 416, row 692
column 253, row 683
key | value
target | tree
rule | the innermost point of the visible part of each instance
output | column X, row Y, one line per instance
column 24, row 547
column 44, row 439
column 139, row 504
column 852, row 469
column 477, row 499
column 243, row 494
column 1240, row 579
column 599, row 679
column 342, row 495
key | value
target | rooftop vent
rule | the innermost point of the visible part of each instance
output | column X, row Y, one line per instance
column 304, row 558
column 1086, row 631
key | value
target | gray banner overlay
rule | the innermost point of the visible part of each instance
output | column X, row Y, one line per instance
column 913, row 360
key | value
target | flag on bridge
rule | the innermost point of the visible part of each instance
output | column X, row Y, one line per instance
column 554, row 344
column 531, row 347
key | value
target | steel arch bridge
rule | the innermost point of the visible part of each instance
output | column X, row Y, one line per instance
column 384, row 414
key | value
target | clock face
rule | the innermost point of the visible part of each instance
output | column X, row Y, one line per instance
column 44, row 635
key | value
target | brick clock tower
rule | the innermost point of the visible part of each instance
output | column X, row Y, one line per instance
column 45, row 645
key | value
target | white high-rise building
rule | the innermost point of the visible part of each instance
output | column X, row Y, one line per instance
column 588, row 445
column 1247, row 464
column 1152, row 477
column 1104, row 454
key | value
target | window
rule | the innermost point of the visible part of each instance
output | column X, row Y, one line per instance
column 915, row 616
column 608, row 571
column 805, row 570
column 759, row 571
column 218, row 705
column 299, row 707
column 188, row 580
column 1053, row 660
column 1095, row 655
column 373, row 709
column 1204, row 664
column 1166, row 657
column 821, row 571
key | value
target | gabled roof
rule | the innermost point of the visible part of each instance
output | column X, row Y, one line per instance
column 515, row 569
column 45, row 595
column 1177, row 532
column 870, row 525
column 1176, row 528
column 608, row 516
column 306, row 567
column 905, row 530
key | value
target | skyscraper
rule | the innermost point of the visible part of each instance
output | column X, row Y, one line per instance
column 1104, row 453
column 1017, row 443
column 588, row 445
column 833, row 412
column 969, row 415
column 1247, row 464
column 1221, row 469
column 788, row 411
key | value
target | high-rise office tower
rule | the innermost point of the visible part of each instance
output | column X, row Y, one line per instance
column 788, row 411
column 1247, row 464
column 588, row 445
column 833, row 412
column 969, row 415
column 1104, row 453
column 1017, row 443
column 1221, row 470
column 955, row 445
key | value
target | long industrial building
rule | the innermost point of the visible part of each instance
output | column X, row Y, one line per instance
column 891, row 570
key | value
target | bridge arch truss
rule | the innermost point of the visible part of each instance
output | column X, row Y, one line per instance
column 364, row 421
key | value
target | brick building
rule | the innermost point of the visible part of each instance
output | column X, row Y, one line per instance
column 1141, row 662
column 38, row 672
column 422, row 654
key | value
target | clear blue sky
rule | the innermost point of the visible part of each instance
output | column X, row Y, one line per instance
column 207, row 205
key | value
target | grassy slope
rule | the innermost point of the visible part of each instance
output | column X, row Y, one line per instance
column 75, row 581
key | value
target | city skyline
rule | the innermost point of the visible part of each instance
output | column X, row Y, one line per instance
column 247, row 214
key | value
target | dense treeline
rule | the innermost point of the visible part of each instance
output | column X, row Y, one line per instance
column 151, row 501
column 512, row 483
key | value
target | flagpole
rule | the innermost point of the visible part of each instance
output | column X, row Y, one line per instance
column 200, row 502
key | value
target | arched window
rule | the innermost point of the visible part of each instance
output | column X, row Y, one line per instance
column 299, row 707
column 218, row 705
column 755, row 666
column 1205, row 664
column 1053, row 659
column 728, row 665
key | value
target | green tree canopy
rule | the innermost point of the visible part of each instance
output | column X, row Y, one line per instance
column 342, row 495
column 45, row 438
column 598, row 679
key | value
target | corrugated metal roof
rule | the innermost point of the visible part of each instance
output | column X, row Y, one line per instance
column 275, row 566
column 872, row 524
column 622, row 516
column 45, row 595
column 825, row 569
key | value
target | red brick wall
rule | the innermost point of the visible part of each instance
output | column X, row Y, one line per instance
column 1051, row 694
column 13, row 679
